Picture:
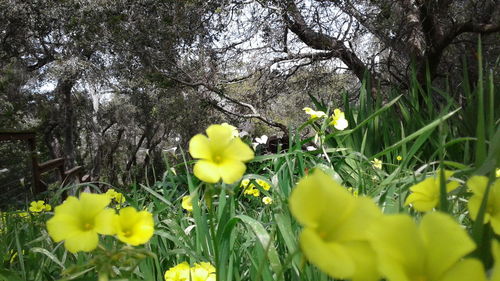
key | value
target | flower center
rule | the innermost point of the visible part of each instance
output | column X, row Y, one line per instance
column 420, row 278
column 87, row 226
column 217, row 159
column 127, row 233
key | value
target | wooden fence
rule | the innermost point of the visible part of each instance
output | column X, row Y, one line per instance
column 66, row 176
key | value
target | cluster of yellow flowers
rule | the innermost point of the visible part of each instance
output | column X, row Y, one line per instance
column 115, row 196
column 337, row 119
column 202, row 271
column 250, row 188
column 350, row 238
column 78, row 221
column 39, row 206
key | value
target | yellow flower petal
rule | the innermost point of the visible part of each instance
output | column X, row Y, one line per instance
column 85, row 241
column 317, row 194
column 93, row 204
column 206, row 171
column 365, row 261
column 104, row 222
column 398, row 247
column 238, row 150
column 446, row 243
column 219, row 136
column 466, row 270
column 62, row 226
column 231, row 171
column 199, row 147
column 333, row 258
column 478, row 186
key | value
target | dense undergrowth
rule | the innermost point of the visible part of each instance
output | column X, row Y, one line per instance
column 244, row 238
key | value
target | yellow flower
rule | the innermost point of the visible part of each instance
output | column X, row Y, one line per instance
column 492, row 213
column 432, row 251
column 264, row 184
column 425, row 194
column 399, row 158
column 37, row 206
column 134, row 228
column 23, row 214
column 314, row 114
column 203, row 271
column 335, row 237
column 78, row 221
column 267, row 200
column 251, row 190
column 338, row 120
column 179, row 272
column 221, row 155
column 117, row 196
column 497, row 173
column 48, row 208
column 376, row 163
column 244, row 183
column 187, row 203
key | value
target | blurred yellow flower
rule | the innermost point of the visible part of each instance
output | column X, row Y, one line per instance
column 244, row 183
column 39, row 206
column 314, row 114
column 264, row 184
column 399, row 158
column 334, row 237
column 478, row 186
column 221, row 155
column 432, row 251
column 338, row 120
column 203, row 271
column 267, row 200
column 252, row 191
column 187, row 203
column 497, row 172
column 23, row 214
column 425, row 194
column 376, row 163
column 78, row 221
column 179, row 272
column 134, row 228
column 249, row 188
column 116, row 196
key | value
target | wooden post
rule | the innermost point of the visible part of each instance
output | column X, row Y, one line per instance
column 37, row 182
